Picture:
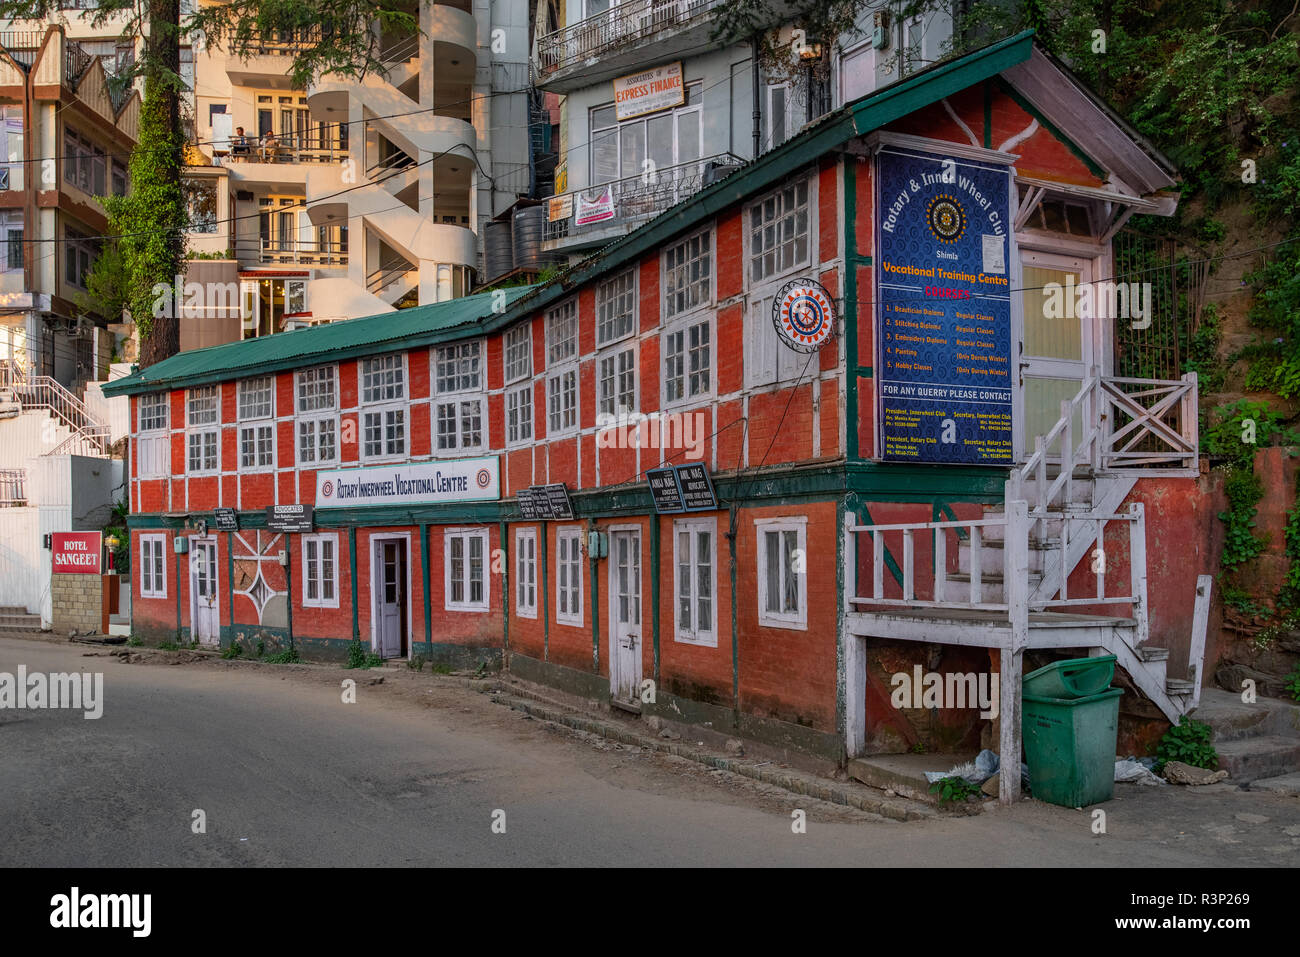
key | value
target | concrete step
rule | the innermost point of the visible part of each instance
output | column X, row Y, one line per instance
column 1151, row 653
column 904, row 774
column 1233, row 719
column 1288, row 784
column 1179, row 686
column 1249, row 759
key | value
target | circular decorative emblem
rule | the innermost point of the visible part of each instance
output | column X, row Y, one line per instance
column 804, row 315
column 484, row 478
column 946, row 218
column 327, row 489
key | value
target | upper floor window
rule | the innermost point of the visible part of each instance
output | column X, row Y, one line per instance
column 85, row 165
column 688, row 363
column 317, row 406
column 202, row 440
column 616, row 308
column 383, row 429
column 383, row 379
column 153, row 411
column 562, row 332
column 256, row 397
column 11, row 234
column 778, row 232
column 204, row 405
column 200, row 204
column 256, row 427
column 616, row 381
column 518, row 353
column 668, row 139
column 688, row 274
column 79, row 252
column 457, row 368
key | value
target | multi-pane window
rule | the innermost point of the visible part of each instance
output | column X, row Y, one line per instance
column 79, row 252
column 616, row 382
column 687, row 362
column 568, row 576
column 457, row 367
column 519, row 414
column 782, row 583
column 320, row 571
column 526, row 572
column 11, row 234
column 383, row 430
column 778, row 232
column 153, row 566
column 562, row 332
column 466, row 585
column 616, row 308
column 317, row 420
column 256, row 427
column 518, row 356
column 688, row 275
column 203, row 414
column 153, row 411
column 695, row 560
column 562, row 401
column 458, row 419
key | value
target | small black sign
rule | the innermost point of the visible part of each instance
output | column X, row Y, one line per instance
column 527, row 503
column 557, row 499
column 226, row 519
column 696, row 488
column 663, row 489
column 289, row 518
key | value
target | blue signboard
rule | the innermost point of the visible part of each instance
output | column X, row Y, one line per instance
column 943, row 309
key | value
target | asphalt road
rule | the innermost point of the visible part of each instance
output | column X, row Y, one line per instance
column 287, row 774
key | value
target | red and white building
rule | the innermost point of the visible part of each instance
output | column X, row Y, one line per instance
column 828, row 560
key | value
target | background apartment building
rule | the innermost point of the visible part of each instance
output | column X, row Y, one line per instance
column 355, row 197
column 605, row 62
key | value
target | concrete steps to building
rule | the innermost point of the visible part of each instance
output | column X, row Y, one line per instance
column 1256, row 741
column 18, row 621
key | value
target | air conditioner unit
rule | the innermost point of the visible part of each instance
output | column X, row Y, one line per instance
column 880, row 30
column 180, row 545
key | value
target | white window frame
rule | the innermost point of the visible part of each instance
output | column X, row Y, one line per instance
column 518, row 339
column 563, row 388
column 153, row 443
column 148, row 542
column 466, row 390
column 315, row 416
column 608, row 405
column 684, row 328
column 519, row 432
column 572, row 535
column 384, row 407
column 164, row 404
column 562, row 333
column 609, row 293
column 777, row 196
column 672, row 315
column 525, row 572
column 201, row 430
column 464, row 535
column 319, row 539
column 780, row 619
column 257, row 421
column 695, row 635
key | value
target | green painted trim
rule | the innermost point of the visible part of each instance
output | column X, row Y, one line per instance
column 841, row 631
column 897, row 482
column 988, row 115
column 866, row 372
column 428, row 584
column 505, row 590
column 352, row 568
column 655, row 584
column 851, row 259
column 288, row 584
column 178, row 596
column 230, row 577
column 890, row 563
column 735, row 627
column 1051, row 127
column 546, row 594
column 594, row 580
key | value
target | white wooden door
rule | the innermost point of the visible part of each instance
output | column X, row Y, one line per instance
column 1056, row 341
column 391, row 600
column 205, row 612
column 625, row 615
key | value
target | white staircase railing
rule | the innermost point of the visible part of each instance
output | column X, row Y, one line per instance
column 46, row 392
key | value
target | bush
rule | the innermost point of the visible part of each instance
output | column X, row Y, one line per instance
column 1188, row 742
column 231, row 650
column 953, row 789
column 289, row 657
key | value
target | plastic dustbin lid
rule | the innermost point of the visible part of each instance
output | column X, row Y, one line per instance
column 1071, row 678
column 1073, row 702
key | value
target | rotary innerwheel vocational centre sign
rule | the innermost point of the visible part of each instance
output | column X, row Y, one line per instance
column 804, row 315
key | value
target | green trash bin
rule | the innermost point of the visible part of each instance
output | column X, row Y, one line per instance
column 1070, row 746
column 1071, row 678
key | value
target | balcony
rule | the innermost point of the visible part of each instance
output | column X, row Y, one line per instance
column 267, row 61
column 634, row 201
column 292, row 252
column 622, row 39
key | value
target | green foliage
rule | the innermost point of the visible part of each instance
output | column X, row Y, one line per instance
column 1290, row 597
column 135, row 641
column 1292, row 685
column 1240, row 544
column 953, row 789
column 417, row 663
column 1203, row 352
column 1240, row 600
column 289, row 657
column 1233, row 425
column 359, row 657
column 231, row 650
column 1188, row 742
column 260, row 648
column 168, row 646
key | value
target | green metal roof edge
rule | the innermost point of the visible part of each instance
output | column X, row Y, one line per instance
column 858, row 118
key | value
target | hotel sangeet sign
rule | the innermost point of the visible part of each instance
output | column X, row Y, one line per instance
column 77, row 553
column 943, row 309
column 412, row 483
column 649, row 91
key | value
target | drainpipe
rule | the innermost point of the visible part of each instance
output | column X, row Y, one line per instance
column 758, row 112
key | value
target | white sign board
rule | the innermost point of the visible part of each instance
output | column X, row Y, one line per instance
column 658, row 89
column 413, row 483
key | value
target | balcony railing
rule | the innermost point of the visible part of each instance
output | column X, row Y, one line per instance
column 623, row 25
column 12, row 491
column 284, row 43
column 292, row 148
column 634, row 199
column 293, row 252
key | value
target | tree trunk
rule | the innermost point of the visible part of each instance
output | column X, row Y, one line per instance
column 162, row 58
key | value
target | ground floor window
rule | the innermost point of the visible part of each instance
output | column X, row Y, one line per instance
column 320, row 571
column 153, row 566
column 782, row 582
column 465, row 586
column 526, row 572
column 694, row 563
column 568, row 579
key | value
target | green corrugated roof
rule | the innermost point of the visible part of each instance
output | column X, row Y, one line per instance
column 425, row 325
column 348, row 338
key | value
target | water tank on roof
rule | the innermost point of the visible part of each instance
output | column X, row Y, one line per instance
column 530, row 223
column 498, row 248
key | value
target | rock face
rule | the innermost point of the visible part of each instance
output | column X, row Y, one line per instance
column 1176, row 772
column 1268, row 667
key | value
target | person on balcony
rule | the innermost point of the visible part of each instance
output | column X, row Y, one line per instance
column 270, row 148
column 239, row 148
